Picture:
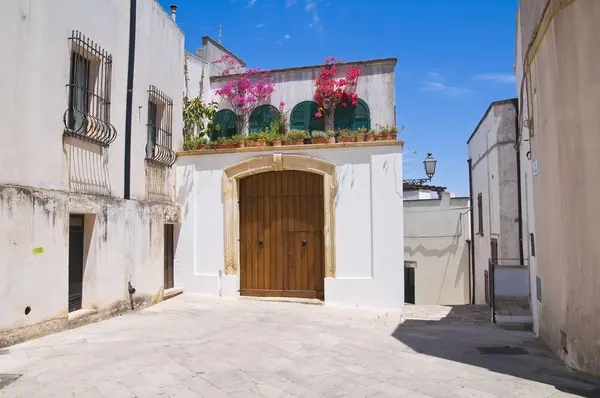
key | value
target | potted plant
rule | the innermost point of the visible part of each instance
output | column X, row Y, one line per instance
column 210, row 145
column 392, row 133
column 274, row 139
column 238, row 141
column 382, row 133
column 225, row 143
column 347, row 135
column 360, row 134
column 261, row 139
column 331, row 136
column 295, row 137
column 370, row 136
column 319, row 137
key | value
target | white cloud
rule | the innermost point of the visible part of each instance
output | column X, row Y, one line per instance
column 286, row 36
column 507, row 78
column 251, row 3
column 260, row 25
column 311, row 6
column 289, row 3
column 434, row 82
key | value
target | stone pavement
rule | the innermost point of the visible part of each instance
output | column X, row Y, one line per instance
column 193, row 346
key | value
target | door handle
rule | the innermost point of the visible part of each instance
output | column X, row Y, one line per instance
column 261, row 244
column 303, row 244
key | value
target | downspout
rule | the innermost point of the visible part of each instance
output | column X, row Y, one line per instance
column 472, row 245
column 519, row 199
column 129, row 104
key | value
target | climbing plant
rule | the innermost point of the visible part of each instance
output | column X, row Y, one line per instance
column 197, row 115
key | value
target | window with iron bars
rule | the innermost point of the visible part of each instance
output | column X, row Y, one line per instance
column 88, row 114
column 160, row 125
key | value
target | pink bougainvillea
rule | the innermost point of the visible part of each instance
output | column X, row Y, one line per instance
column 331, row 91
column 246, row 90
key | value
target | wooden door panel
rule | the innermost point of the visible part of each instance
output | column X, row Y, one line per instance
column 281, row 209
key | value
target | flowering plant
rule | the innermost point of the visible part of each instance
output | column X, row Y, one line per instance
column 245, row 91
column 279, row 125
column 331, row 91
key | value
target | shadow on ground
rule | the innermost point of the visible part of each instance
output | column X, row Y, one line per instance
column 465, row 335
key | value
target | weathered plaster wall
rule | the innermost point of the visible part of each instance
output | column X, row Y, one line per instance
column 368, row 216
column 435, row 237
column 494, row 174
column 565, row 145
column 124, row 241
column 375, row 86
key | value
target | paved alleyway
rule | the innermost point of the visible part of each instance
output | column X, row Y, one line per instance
column 192, row 346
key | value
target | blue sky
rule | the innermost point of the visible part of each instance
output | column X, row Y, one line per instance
column 454, row 58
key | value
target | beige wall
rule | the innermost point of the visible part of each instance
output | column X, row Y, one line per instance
column 435, row 237
column 565, row 93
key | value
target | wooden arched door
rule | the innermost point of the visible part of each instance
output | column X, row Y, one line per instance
column 281, row 235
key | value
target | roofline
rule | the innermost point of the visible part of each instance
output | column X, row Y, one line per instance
column 295, row 68
column 217, row 44
column 169, row 16
column 189, row 54
column 513, row 101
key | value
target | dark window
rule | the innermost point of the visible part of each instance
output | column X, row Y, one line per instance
column 532, row 240
column 303, row 117
column 88, row 114
column 76, row 223
column 159, row 147
column 168, row 254
column 480, row 213
column 224, row 124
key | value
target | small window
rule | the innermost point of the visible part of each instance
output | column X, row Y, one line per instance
column 88, row 113
column 480, row 213
column 159, row 147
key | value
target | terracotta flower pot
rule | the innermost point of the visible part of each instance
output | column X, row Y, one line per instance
column 276, row 143
column 369, row 137
column 331, row 140
column 225, row 146
column 381, row 137
column 360, row 137
column 320, row 140
column 261, row 143
column 392, row 137
column 345, row 138
column 241, row 144
column 250, row 143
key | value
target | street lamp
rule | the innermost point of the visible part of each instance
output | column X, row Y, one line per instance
column 429, row 163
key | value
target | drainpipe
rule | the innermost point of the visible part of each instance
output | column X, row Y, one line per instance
column 129, row 104
column 472, row 245
column 519, row 193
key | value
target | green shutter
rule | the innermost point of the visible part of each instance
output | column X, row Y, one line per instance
column 261, row 117
column 362, row 116
column 227, row 120
column 351, row 117
column 303, row 117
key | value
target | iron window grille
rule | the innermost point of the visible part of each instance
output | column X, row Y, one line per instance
column 480, row 214
column 160, row 124
column 88, row 114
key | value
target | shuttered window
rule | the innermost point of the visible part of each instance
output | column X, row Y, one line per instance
column 261, row 117
column 352, row 118
column 226, row 119
column 303, row 117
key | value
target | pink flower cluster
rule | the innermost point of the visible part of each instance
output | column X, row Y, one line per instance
column 331, row 91
column 245, row 91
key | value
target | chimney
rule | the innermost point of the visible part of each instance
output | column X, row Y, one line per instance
column 173, row 12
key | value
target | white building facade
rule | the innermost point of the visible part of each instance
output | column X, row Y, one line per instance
column 495, row 190
column 83, row 208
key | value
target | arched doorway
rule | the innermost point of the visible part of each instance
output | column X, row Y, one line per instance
column 281, row 232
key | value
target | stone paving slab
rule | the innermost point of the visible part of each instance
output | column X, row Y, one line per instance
column 193, row 346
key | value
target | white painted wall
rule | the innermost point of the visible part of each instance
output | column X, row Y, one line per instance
column 35, row 96
column 124, row 238
column 292, row 86
column 494, row 175
column 435, row 237
column 368, row 225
